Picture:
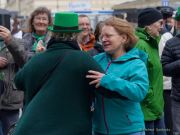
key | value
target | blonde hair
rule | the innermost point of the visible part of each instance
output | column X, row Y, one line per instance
column 123, row 27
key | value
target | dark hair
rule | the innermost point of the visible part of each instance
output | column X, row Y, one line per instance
column 166, row 11
column 37, row 11
column 123, row 27
column 97, row 31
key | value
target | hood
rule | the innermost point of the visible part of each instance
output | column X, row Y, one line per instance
column 134, row 53
column 142, row 34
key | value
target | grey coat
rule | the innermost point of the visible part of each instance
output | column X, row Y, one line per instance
column 10, row 97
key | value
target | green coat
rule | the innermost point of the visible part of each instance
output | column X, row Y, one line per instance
column 153, row 104
column 62, row 105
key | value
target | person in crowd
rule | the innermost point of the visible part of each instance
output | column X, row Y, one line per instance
column 125, row 75
column 170, row 62
column 168, row 21
column 150, row 23
column 86, row 39
column 98, row 48
column 57, row 94
column 15, row 28
column 166, row 34
column 11, row 100
column 34, row 40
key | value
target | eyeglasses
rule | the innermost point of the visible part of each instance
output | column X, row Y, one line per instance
column 107, row 36
column 40, row 18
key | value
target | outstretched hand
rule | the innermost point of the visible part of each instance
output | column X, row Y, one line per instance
column 95, row 76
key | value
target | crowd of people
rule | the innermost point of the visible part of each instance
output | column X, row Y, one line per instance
column 68, row 80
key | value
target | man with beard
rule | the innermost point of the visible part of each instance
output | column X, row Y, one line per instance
column 170, row 62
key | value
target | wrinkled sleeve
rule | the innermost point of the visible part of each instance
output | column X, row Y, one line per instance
column 135, row 88
column 17, row 49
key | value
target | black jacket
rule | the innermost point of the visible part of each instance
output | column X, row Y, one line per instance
column 171, row 64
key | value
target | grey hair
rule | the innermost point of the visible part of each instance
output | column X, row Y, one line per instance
column 64, row 36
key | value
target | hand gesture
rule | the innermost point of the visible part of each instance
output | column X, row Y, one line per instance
column 95, row 76
column 40, row 46
column 3, row 62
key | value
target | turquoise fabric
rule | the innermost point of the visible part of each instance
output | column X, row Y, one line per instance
column 127, row 75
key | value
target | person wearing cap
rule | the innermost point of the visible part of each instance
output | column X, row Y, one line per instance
column 166, row 34
column 57, row 94
column 170, row 61
column 148, row 30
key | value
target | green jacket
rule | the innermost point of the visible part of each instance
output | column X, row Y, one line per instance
column 153, row 104
column 62, row 105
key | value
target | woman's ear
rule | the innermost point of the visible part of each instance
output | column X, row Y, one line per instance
column 124, row 38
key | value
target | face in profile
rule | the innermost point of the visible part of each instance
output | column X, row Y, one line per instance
column 84, row 24
column 155, row 28
column 41, row 22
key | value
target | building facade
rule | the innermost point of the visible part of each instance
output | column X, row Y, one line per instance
column 25, row 7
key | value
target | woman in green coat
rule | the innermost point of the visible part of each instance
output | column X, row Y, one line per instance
column 57, row 94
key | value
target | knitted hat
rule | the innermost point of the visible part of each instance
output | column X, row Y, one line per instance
column 177, row 16
column 148, row 16
column 65, row 22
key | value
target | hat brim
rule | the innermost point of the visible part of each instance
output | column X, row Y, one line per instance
column 63, row 31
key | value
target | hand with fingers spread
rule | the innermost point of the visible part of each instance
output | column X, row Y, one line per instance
column 3, row 62
column 95, row 76
column 5, row 34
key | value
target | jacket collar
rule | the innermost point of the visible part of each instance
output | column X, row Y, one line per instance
column 68, row 44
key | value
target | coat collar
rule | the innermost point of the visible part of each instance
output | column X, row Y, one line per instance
column 64, row 44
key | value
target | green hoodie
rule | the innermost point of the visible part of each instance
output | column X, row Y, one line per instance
column 153, row 104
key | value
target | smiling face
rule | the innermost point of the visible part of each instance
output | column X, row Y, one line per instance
column 112, row 41
column 40, row 23
column 84, row 24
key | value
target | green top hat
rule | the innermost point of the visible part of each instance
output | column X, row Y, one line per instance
column 65, row 22
column 177, row 16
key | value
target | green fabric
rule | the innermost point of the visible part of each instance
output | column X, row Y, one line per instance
column 65, row 22
column 177, row 16
column 153, row 104
column 37, row 39
column 62, row 105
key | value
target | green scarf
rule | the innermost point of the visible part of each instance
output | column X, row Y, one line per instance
column 37, row 38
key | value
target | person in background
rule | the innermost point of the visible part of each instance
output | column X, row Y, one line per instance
column 11, row 100
column 168, row 20
column 126, row 75
column 15, row 30
column 85, row 39
column 150, row 23
column 98, row 48
column 57, row 94
column 34, row 40
column 166, row 34
column 170, row 61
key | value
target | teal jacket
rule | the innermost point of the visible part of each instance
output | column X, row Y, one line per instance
column 153, row 104
column 127, row 75
column 61, row 106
